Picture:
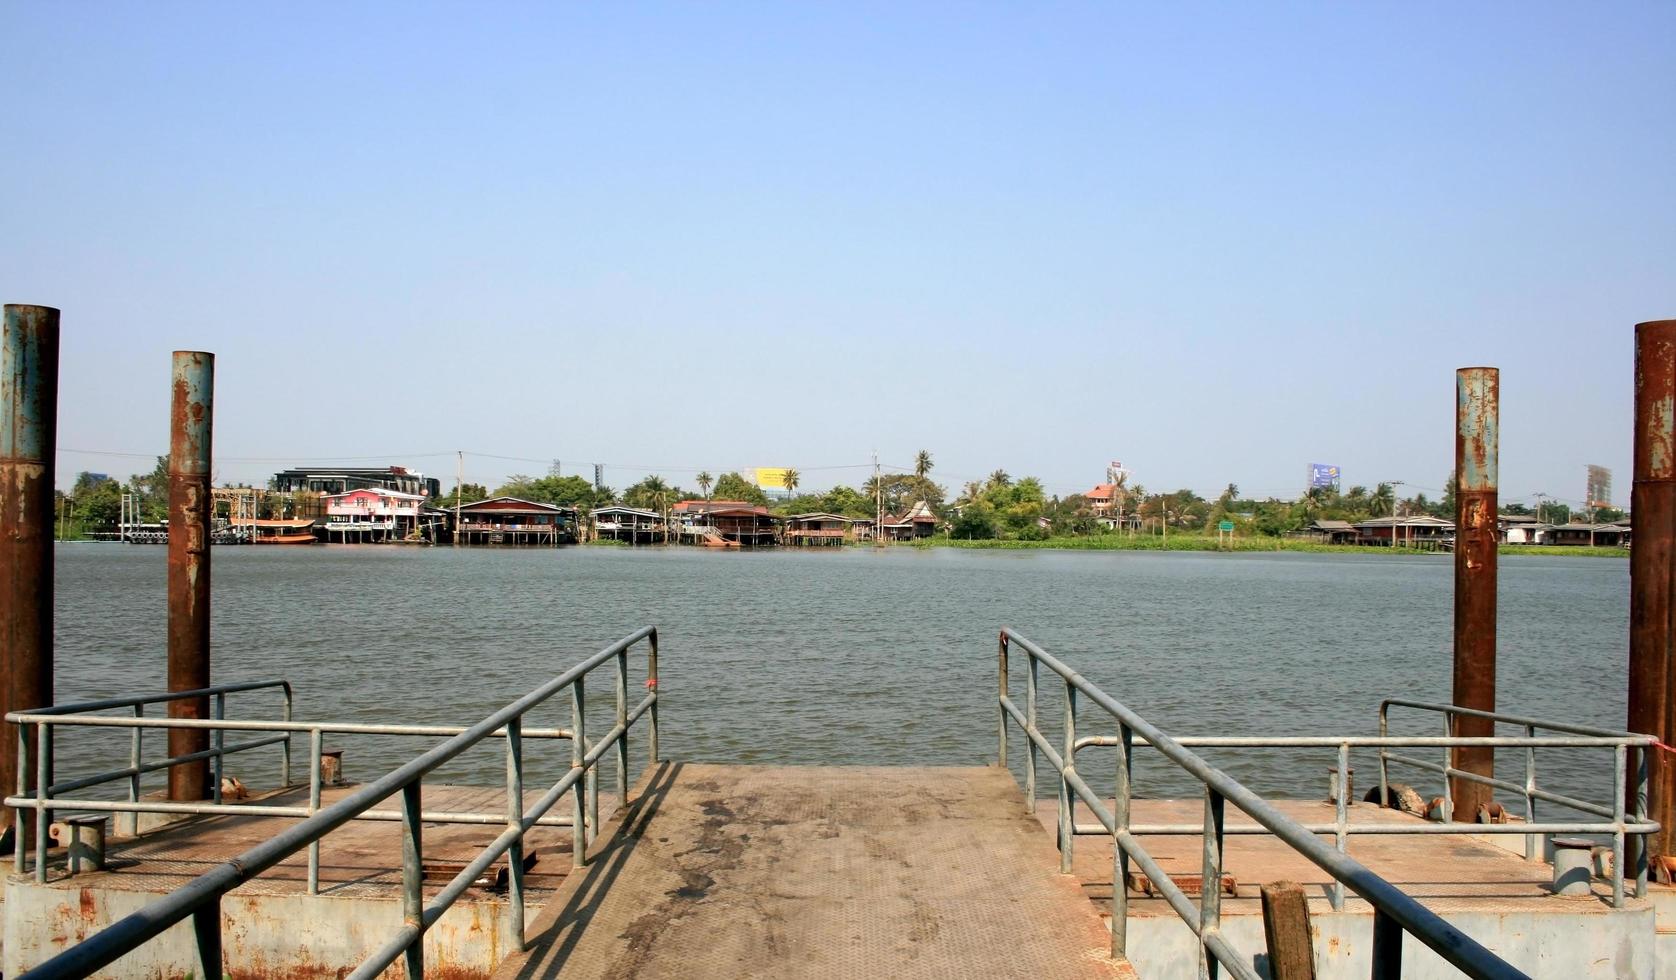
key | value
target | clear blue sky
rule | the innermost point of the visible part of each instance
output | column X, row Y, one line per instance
column 1215, row 242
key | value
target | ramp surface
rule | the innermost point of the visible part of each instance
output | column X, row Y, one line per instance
column 743, row 871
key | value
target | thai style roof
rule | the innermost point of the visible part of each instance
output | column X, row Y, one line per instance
column 620, row 509
column 514, row 505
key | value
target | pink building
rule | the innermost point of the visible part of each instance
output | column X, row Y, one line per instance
column 372, row 514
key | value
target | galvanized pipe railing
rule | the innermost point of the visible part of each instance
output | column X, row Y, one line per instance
column 1630, row 770
column 200, row 899
column 44, row 720
column 1394, row 912
column 1612, row 823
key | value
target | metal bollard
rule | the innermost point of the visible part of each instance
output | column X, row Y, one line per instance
column 1350, row 785
column 331, row 767
column 1573, row 865
column 83, row 840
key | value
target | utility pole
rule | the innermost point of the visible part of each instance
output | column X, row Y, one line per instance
column 878, row 504
column 459, row 484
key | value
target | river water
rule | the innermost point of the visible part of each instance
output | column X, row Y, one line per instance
column 855, row 656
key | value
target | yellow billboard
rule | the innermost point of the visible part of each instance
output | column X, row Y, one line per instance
column 772, row 477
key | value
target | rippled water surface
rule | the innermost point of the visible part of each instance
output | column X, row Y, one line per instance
column 858, row 656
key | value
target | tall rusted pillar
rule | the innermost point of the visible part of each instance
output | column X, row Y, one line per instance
column 28, row 438
column 1652, row 569
column 191, row 410
column 1477, row 441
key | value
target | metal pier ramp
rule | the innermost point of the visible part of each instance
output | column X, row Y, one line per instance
column 748, row 871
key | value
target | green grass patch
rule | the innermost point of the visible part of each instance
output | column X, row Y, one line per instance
column 1200, row 542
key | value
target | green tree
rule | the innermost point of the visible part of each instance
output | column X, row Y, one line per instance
column 1384, row 500
column 98, row 502
column 652, row 493
column 469, row 493
column 847, row 501
column 152, row 489
column 922, row 464
column 976, row 522
column 704, row 481
column 732, row 486
column 792, row 478
column 517, row 485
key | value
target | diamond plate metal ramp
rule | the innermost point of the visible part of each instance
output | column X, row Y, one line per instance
column 746, row 871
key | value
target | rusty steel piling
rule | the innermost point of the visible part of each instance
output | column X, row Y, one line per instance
column 1477, row 443
column 191, row 411
column 1652, row 571
column 28, row 439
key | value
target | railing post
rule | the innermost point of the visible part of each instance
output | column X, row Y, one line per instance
column 413, row 879
column 1448, row 764
column 1641, row 840
column 285, row 746
column 1030, row 682
column 1387, row 947
column 1120, row 857
column 43, row 779
column 1067, row 801
column 579, row 788
column 1341, row 829
column 1210, row 891
column 622, row 722
column 19, row 848
column 218, row 742
column 315, row 745
column 652, row 712
column 206, row 929
column 1533, row 848
column 1000, row 707
column 1620, row 772
column 1384, row 767
column 136, row 755
column 515, row 821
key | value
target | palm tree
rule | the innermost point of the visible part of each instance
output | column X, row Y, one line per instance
column 1384, row 500
column 1000, row 479
column 791, row 481
column 704, row 482
column 922, row 463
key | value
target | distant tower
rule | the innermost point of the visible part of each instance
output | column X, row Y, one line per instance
column 555, row 469
column 1599, row 493
column 599, row 476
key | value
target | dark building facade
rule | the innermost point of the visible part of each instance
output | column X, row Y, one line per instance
column 329, row 480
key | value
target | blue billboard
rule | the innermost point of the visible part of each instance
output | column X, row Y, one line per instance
column 1322, row 475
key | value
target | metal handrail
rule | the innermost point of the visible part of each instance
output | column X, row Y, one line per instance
column 1623, row 743
column 200, row 899
column 52, row 802
column 81, row 707
column 1615, row 824
column 1394, row 912
column 45, row 719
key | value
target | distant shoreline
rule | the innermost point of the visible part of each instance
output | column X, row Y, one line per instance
column 1193, row 542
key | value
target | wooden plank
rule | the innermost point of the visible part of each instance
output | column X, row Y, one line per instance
column 1286, row 928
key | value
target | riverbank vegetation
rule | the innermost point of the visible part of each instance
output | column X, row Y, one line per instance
column 998, row 511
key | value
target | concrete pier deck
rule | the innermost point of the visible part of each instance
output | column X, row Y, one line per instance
column 746, row 871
